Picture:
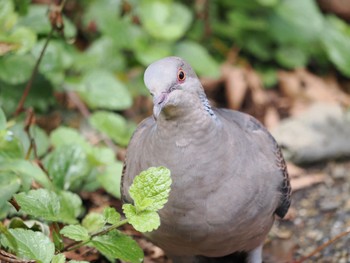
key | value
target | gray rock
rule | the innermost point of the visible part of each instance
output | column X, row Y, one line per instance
column 322, row 132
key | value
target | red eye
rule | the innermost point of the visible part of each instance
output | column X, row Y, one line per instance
column 181, row 76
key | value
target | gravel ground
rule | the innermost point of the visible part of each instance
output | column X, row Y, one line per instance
column 318, row 214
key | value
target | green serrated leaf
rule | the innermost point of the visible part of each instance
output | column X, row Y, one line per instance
column 336, row 43
column 154, row 184
column 24, row 38
column 31, row 245
column 27, row 171
column 65, row 135
column 113, row 125
column 10, row 239
column 114, row 94
column 93, row 222
column 67, row 166
column 110, row 178
column 78, row 261
column 291, row 57
column 10, row 146
column 34, row 225
column 39, row 135
column 144, row 221
column 2, row 120
column 75, row 232
column 59, row 258
column 40, row 203
column 16, row 69
column 159, row 19
column 9, row 185
column 70, row 207
column 111, row 215
column 117, row 245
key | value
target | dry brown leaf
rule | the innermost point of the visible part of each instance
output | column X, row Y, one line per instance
column 236, row 86
column 306, row 181
column 272, row 118
column 294, row 171
column 304, row 88
column 256, row 86
column 289, row 84
column 7, row 47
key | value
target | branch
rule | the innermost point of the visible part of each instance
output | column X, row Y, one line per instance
column 55, row 17
column 19, row 108
column 77, row 244
column 323, row 246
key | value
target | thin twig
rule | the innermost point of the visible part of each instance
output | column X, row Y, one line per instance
column 323, row 246
column 77, row 244
column 7, row 257
column 56, row 25
column 19, row 108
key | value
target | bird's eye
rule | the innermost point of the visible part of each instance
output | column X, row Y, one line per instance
column 181, row 76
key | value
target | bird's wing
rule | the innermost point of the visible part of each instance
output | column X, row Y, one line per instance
column 250, row 124
column 285, row 187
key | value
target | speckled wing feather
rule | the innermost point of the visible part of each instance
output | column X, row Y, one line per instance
column 285, row 187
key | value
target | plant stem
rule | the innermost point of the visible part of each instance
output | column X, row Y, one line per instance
column 19, row 108
column 323, row 246
column 79, row 244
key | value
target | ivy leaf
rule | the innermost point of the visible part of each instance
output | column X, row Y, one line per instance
column 152, row 184
column 117, row 245
column 144, row 221
column 40, row 203
column 31, row 245
column 111, row 215
column 75, row 232
column 93, row 222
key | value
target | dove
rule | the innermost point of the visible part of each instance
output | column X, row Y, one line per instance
column 229, row 176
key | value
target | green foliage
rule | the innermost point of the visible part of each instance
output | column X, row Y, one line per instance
column 113, row 125
column 68, row 168
column 30, row 245
column 150, row 191
column 75, row 232
column 117, row 245
column 103, row 65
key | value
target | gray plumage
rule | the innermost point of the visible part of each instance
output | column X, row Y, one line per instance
column 229, row 175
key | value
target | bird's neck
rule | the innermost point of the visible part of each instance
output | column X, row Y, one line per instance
column 193, row 119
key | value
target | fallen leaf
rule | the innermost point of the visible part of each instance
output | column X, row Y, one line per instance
column 235, row 86
column 306, row 181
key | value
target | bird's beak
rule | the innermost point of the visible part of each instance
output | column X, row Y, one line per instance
column 159, row 102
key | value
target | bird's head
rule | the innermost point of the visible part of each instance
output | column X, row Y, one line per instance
column 173, row 84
